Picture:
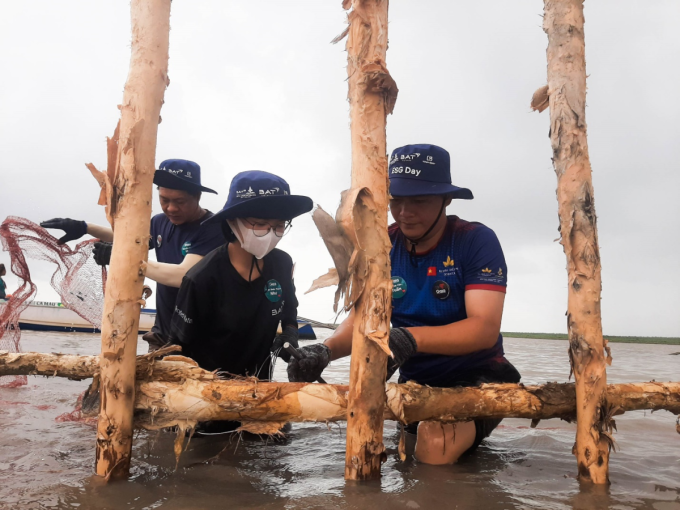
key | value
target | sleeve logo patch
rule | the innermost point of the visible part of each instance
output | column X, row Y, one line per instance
column 159, row 240
column 185, row 248
column 399, row 287
column 273, row 291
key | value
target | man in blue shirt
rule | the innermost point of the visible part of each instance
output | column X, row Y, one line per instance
column 449, row 280
column 177, row 235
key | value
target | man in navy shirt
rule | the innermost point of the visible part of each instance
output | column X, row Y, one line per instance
column 449, row 280
column 177, row 235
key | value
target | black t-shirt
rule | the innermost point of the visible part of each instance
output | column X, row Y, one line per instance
column 225, row 322
column 172, row 243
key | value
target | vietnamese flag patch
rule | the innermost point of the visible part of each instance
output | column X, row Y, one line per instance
column 432, row 271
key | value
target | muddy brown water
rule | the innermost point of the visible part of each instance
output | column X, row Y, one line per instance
column 45, row 463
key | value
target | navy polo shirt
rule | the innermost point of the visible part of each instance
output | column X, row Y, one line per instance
column 172, row 243
column 429, row 290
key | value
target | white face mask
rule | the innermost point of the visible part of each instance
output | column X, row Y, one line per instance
column 257, row 246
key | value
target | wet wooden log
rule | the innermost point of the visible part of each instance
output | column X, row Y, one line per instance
column 412, row 402
column 565, row 94
column 372, row 94
column 173, row 368
column 190, row 394
column 130, row 177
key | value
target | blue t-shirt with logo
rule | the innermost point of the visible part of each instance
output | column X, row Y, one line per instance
column 429, row 290
column 172, row 243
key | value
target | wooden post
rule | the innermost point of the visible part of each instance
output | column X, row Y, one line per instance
column 372, row 94
column 563, row 22
column 130, row 208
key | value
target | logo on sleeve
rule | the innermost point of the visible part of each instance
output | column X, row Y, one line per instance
column 399, row 287
column 183, row 315
column 441, row 290
column 490, row 276
column 273, row 291
column 159, row 240
column 448, row 262
column 185, row 248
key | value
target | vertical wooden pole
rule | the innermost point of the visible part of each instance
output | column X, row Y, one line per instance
column 130, row 208
column 372, row 94
column 563, row 22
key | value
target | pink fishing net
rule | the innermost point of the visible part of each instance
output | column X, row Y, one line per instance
column 78, row 280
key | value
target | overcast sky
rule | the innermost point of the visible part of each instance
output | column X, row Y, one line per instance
column 257, row 85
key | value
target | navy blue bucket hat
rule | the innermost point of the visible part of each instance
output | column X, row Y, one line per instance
column 423, row 169
column 180, row 174
column 259, row 194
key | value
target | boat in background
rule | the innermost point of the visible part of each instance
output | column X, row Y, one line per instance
column 52, row 316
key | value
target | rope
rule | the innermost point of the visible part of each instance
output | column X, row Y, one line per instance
column 317, row 323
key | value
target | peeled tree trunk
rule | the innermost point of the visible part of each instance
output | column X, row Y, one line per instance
column 372, row 94
column 127, row 187
column 566, row 96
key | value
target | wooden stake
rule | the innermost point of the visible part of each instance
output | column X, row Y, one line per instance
column 372, row 94
column 130, row 209
column 563, row 22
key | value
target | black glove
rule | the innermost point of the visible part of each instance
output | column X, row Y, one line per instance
column 102, row 253
column 316, row 357
column 403, row 346
column 75, row 229
column 156, row 340
column 289, row 334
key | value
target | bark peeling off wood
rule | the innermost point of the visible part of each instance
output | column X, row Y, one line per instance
column 540, row 100
column 563, row 23
column 340, row 247
column 128, row 183
column 106, row 179
column 178, row 392
column 371, row 95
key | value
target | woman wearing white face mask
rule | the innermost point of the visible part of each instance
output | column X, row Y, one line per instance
column 231, row 302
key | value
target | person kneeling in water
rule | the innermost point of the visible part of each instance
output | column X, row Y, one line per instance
column 448, row 288
column 231, row 302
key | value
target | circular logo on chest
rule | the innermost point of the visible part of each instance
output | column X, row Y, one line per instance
column 185, row 248
column 399, row 287
column 441, row 289
column 159, row 240
column 273, row 291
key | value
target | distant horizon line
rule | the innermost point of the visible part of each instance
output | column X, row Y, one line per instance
column 667, row 340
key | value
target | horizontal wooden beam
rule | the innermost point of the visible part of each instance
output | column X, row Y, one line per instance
column 176, row 392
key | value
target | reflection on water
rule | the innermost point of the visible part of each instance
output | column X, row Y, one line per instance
column 48, row 464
